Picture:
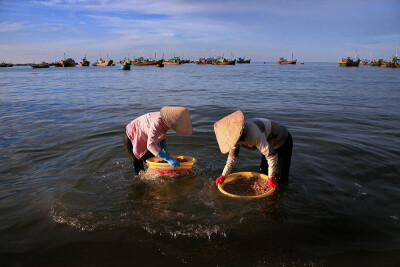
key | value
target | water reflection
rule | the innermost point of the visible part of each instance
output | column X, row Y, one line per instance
column 62, row 156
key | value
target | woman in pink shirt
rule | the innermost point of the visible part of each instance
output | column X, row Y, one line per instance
column 145, row 136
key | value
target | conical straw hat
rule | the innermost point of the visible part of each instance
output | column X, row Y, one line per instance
column 228, row 130
column 177, row 119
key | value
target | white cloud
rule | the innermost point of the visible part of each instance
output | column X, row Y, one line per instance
column 11, row 26
column 260, row 27
column 168, row 7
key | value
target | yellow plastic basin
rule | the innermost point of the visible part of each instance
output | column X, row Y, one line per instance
column 159, row 166
column 243, row 175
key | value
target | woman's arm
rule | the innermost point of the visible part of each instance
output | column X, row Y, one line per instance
column 231, row 161
column 270, row 154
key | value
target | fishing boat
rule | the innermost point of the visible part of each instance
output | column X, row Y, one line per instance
column 302, row 62
column 388, row 65
column 126, row 64
column 103, row 63
column 365, row 62
column 84, row 62
column 394, row 62
column 204, row 61
column 284, row 61
column 376, row 62
column 186, row 61
column 145, row 62
column 5, row 65
column 55, row 64
column 223, row 61
column 40, row 66
column 349, row 62
column 173, row 61
column 125, row 60
column 243, row 61
column 69, row 62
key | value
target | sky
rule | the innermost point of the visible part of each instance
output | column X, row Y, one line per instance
column 261, row 30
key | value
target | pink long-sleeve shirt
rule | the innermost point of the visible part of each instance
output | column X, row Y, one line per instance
column 146, row 132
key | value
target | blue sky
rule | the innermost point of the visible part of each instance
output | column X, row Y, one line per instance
column 318, row 31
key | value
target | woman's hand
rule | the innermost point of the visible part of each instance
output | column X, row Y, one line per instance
column 173, row 162
column 220, row 180
column 163, row 155
column 272, row 182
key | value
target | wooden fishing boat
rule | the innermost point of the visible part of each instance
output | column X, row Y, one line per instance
column 126, row 64
column 40, row 66
column 229, row 62
column 173, row 61
column 103, row 63
column 145, row 62
column 394, row 62
column 243, row 61
column 84, row 62
column 376, row 62
column 6, row 65
column 223, row 61
column 365, row 62
column 186, row 61
column 349, row 62
column 388, row 65
column 69, row 62
column 203, row 61
column 284, row 61
column 126, row 61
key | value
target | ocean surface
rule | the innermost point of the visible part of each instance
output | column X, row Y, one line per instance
column 69, row 195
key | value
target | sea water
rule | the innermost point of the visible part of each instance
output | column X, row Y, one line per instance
column 69, row 194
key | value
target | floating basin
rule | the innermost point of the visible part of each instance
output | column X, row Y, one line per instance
column 244, row 175
column 159, row 166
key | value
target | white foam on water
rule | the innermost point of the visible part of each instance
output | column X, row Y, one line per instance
column 193, row 230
